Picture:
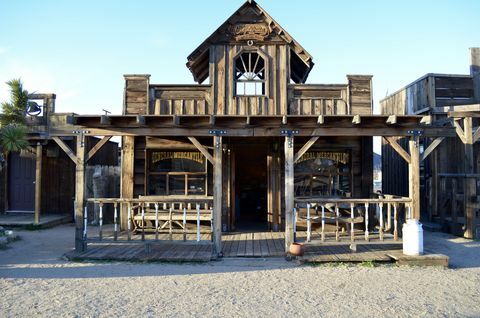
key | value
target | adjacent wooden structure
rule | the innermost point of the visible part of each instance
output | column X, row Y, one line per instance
column 449, row 177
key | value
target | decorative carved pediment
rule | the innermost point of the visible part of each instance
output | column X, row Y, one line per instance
column 249, row 31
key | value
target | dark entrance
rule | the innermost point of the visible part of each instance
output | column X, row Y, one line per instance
column 21, row 183
column 251, row 185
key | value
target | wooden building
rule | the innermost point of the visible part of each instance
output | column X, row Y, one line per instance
column 449, row 177
column 251, row 146
column 40, row 180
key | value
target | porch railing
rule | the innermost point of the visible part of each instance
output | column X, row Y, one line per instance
column 152, row 214
column 350, row 212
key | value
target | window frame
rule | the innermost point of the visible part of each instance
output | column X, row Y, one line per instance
column 168, row 174
column 264, row 82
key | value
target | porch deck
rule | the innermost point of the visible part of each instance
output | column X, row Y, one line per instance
column 27, row 219
column 256, row 244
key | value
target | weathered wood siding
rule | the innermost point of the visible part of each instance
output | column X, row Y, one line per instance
column 318, row 100
column 428, row 92
column 136, row 94
column 360, row 94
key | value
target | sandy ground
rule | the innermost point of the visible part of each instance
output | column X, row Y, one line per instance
column 34, row 281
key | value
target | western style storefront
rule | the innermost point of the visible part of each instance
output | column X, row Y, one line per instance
column 254, row 150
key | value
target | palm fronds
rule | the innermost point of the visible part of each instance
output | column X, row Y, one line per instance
column 13, row 138
column 13, row 112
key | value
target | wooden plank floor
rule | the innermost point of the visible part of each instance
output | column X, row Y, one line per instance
column 257, row 244
column 250, row 244
column 163, row 252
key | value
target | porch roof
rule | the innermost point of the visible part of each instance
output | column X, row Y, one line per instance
column 246, row 126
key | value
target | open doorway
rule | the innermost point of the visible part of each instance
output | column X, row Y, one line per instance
column 251, row 186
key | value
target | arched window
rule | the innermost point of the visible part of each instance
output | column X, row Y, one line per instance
column 250, row 74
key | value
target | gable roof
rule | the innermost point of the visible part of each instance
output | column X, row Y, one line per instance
column 250, row 12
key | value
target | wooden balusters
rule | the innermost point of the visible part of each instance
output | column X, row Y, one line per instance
column 323, row 223
column 352, row 224
column 170, row 229
column 85, row 222
column 156, row 221
column 115, row 221
column 100, row 222
column 198, row 222
column 309, row 224
column 129, row 223
column 142, row 207
column 395, row 223
column 337, row 214
column 380, row 205
column 184, row 223
column 367, row 237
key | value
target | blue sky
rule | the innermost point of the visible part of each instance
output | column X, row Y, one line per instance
column 80, row 49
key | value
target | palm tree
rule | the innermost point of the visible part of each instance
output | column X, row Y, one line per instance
column 12, row 121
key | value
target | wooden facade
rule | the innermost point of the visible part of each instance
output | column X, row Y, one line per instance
column 250, row 147
column 450, row 101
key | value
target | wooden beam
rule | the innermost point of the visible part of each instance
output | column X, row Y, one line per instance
column 305, row 148
column 431, row 148
column 97, row 147
column 140, row 120
column 356, row 120
column 176, row 120
column 38, row 183
column 398, row 149
column 105, row 120
column 414, row 176
column 427, row 120
column 202, row 149
column 459, row 130
column 217, row 195
column 284, row 120
column 289, row 192
column 321, row 120
column 392, row 119
column 66, row 149
column 211, row 120
column 80, row 243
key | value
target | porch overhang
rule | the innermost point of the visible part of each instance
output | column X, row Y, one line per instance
column 248, row 126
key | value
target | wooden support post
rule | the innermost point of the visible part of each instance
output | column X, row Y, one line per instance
column 127, row 177
column 289, row 191
column 80, row 244
column 217, row 195
column 414, row 176
column 470, row 183
column 38, row 183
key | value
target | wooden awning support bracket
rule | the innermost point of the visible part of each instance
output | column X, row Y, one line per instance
column 356, row 120
column 393, row 142
column 202, row 149
column 431, row 148
column 97, row 147
column 459, row 130
column 66, row 149
column 427, row 120
column 305, row 148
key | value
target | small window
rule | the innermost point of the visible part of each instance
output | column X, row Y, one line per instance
column 177, row 173
column 250, row 74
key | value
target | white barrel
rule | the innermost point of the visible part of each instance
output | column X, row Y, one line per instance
column 412, row 237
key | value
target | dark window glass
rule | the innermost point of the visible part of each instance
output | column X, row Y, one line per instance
column 323, row 173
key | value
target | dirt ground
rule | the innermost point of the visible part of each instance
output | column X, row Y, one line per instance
column 35, row 281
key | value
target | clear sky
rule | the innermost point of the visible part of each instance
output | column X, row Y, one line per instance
column 80, row 49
